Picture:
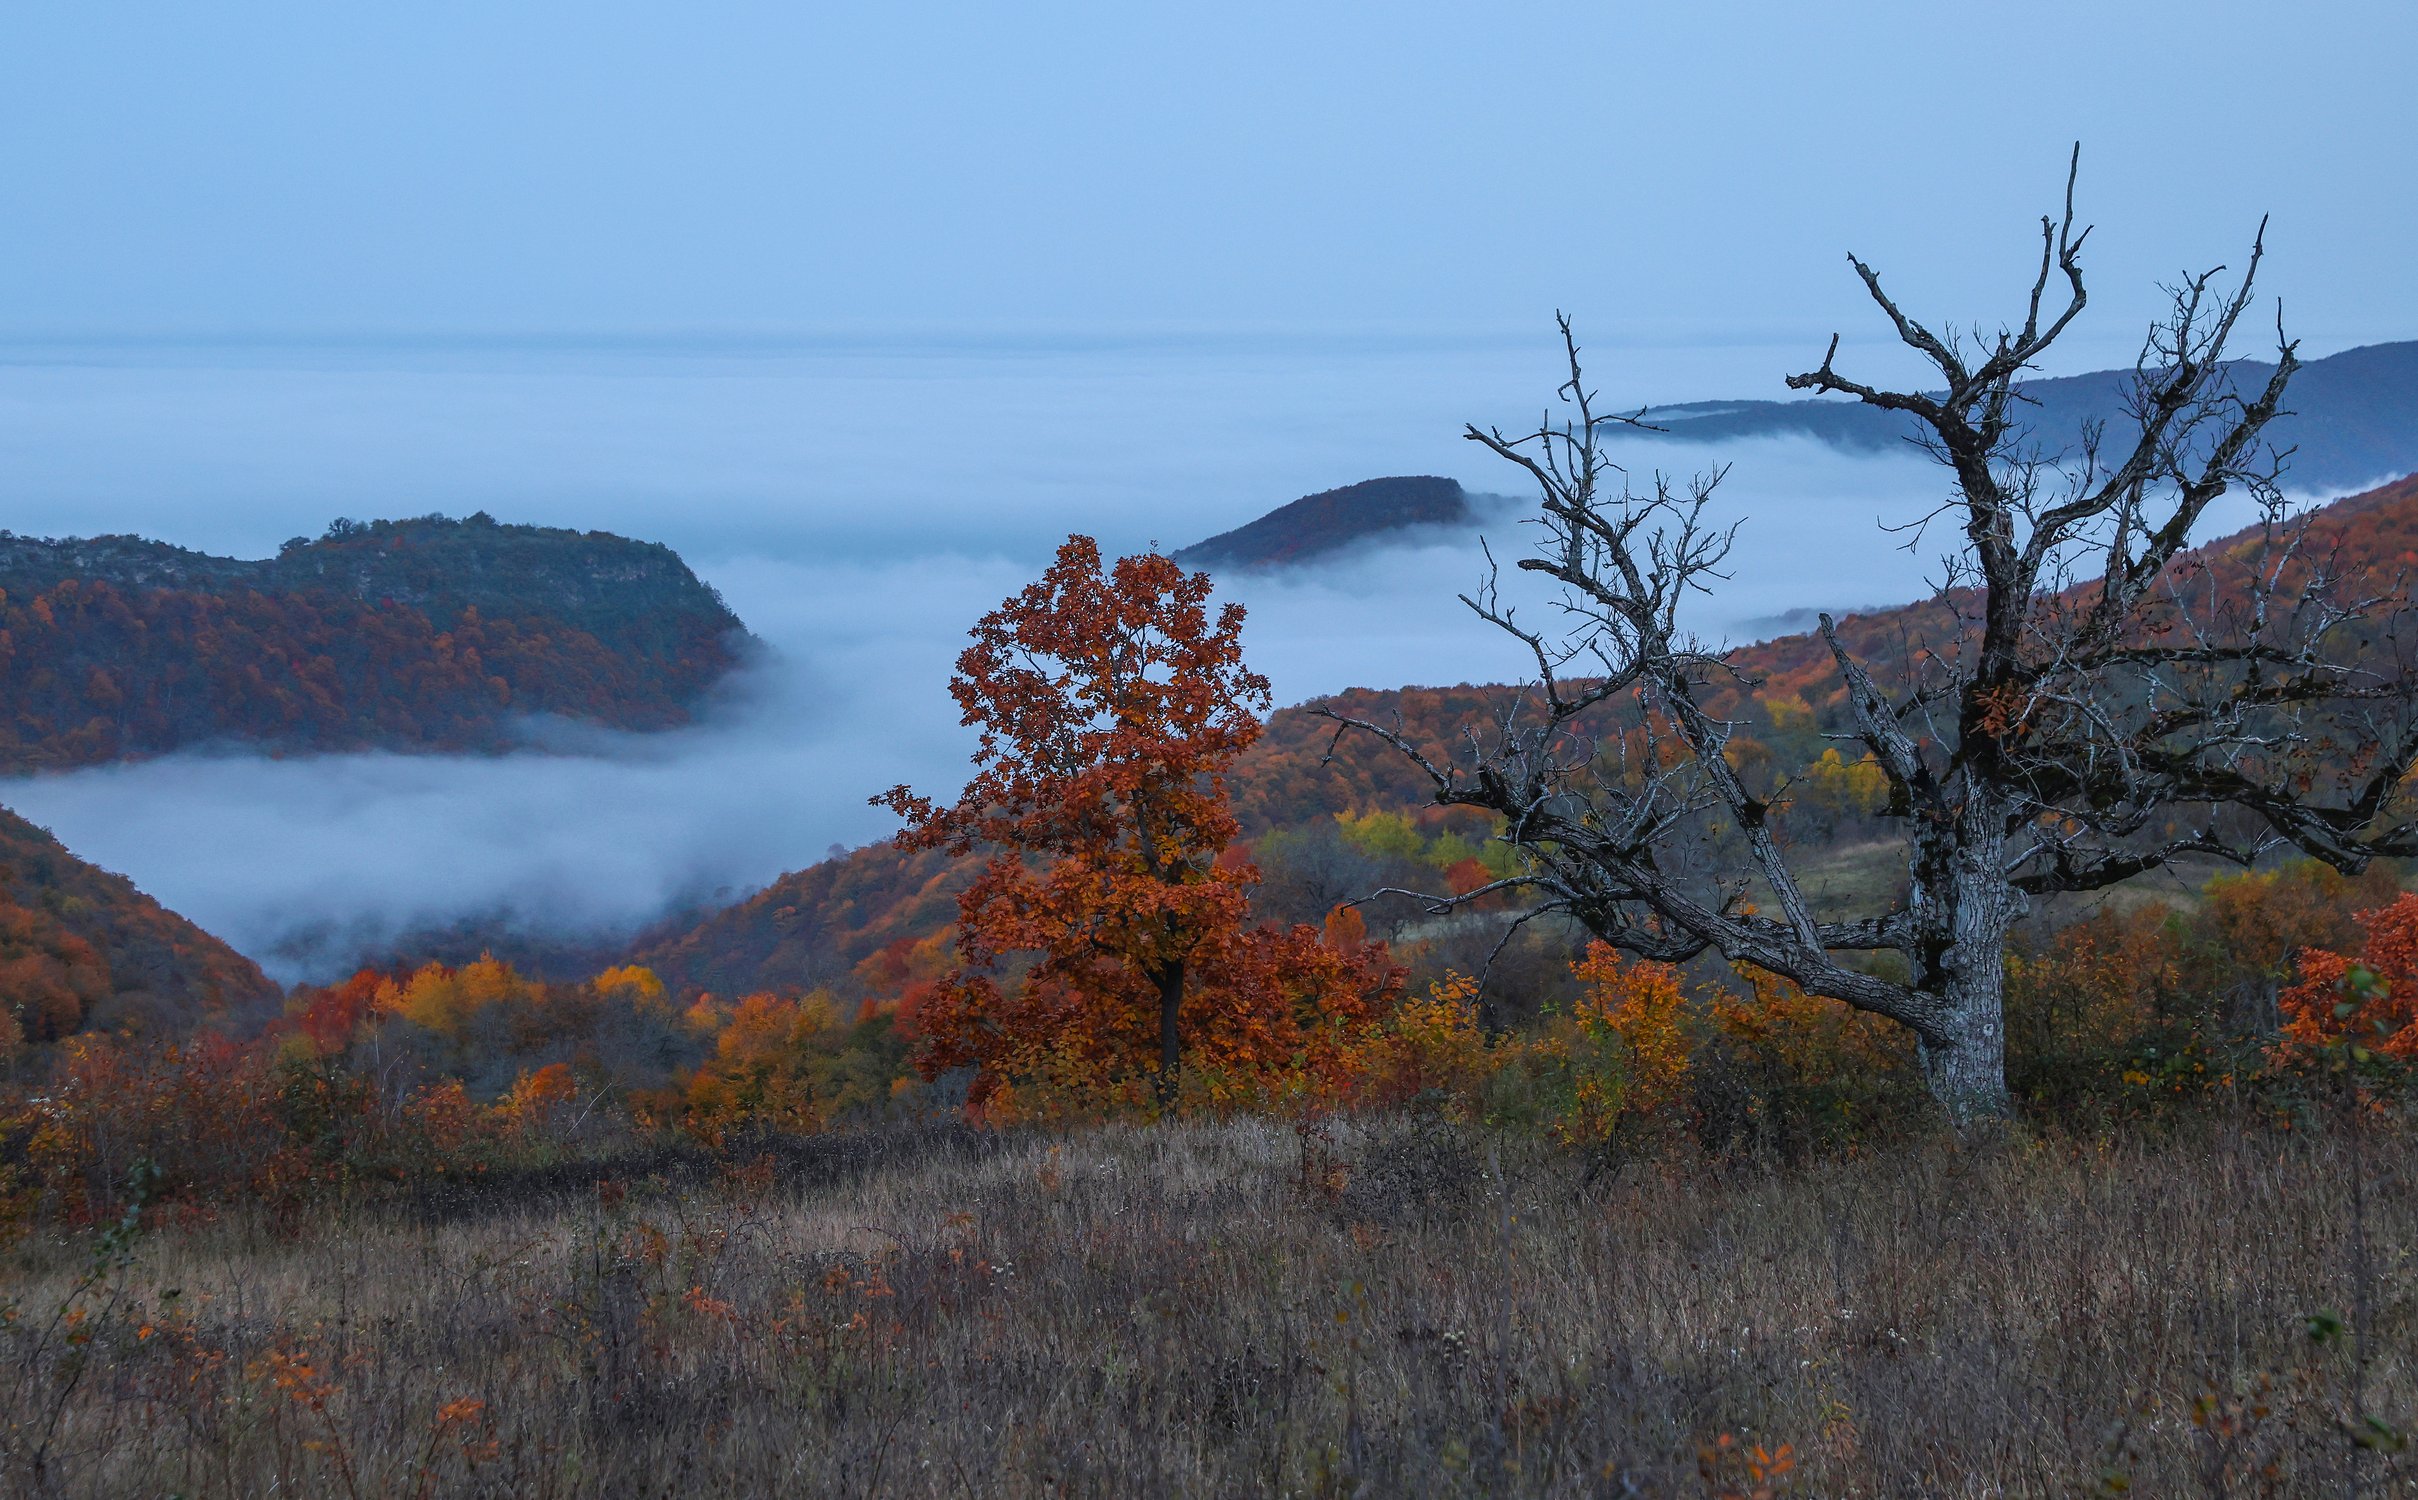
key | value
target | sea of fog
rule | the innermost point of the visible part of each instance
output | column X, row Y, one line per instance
column 859, row 502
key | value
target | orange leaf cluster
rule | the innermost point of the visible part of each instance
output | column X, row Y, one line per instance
column 1641, row 1003
column 2381, row 1014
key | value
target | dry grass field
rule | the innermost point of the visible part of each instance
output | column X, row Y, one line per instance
column 1387, row 1308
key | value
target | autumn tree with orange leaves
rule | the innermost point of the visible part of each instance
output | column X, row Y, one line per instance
column 1108, row 932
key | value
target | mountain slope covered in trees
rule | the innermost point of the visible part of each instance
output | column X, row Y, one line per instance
column 80, row 947
column 427, row 634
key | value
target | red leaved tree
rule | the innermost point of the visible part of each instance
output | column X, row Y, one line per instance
column 1111, row 703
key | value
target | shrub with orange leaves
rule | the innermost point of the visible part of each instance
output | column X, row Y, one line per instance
column 2084, row 999
column 1787, row 1070
column 1427, row 1051
column 539, row 1102
column 330, row 1018
column 2369, row 1003
column 203, row 1113
column 791, row 1063
column 1614, row 1067
column 437, row 1126
column 1640, row 1003
column 217, row 1120
column 2253, row 926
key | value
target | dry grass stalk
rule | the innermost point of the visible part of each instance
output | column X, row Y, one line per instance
column 1198, row 1309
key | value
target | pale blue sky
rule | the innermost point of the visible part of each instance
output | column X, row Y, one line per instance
column 1688, row 172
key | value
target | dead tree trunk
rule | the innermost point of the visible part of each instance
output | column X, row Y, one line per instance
column 2095, row 702
column 1964, row 1056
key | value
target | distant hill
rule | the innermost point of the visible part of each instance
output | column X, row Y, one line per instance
column 821, row 924
column 427, row 634
column 2353, row 416
column 80, row 947
column 1332, row 520
column 811, row 927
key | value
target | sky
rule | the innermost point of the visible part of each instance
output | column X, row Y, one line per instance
column 1671, row 173
column 863, row 308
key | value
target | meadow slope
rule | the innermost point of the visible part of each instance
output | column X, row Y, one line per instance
column 1395, row 1307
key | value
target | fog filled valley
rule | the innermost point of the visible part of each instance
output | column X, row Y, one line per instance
column 858, row 508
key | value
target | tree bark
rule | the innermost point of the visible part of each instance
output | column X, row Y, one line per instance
column 1171, row 1031
column 1966, row 1070
column 1964, row 1055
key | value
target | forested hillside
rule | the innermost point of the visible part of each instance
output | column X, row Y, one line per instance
column 426, row 634
column 814, row 926
column 80, row 947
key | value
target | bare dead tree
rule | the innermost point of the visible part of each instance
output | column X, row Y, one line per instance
column 2099, row 701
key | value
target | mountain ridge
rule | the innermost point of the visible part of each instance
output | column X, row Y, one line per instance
column 2351, row 422
column 1330, row 521
column 2351, row 417
column 417, row 635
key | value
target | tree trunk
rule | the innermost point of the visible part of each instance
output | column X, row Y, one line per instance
column 1966, row 1071
column 1171, row 1031
column 1965, row 1064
